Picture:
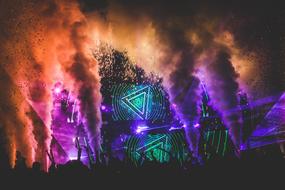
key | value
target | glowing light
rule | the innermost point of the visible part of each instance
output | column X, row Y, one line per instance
column 141, row 129
column 225, row 142
column 72, row 158
column 174, row 128
column 184, row 125
column 138, row 131
column 57, row 90
column 137, row 102
column 197, row 125
column 103, row 108
column 157, row 146
column 75, row 157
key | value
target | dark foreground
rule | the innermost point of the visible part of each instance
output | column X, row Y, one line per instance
column 236, row 172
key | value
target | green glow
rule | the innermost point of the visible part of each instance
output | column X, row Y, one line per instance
column 157, row 147
column 219, row 141
column 213, row 137
column 225, row 142
column 156, row 144
column 138, row 102
column 208, row 135
column 203, row 110
column 205, row 144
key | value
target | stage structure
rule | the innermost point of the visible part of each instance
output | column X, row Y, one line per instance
column 271, row 129
column 215, row 141
column 247, row 124
column 137, row 127
column 68, row 130
column 161, row 147
column 138, row 102
column 138, row 121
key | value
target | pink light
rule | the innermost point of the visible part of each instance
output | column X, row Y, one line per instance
column 57, row 90
column 138, row 131
column 197, row 125
column 184, row 125
column 103, row 107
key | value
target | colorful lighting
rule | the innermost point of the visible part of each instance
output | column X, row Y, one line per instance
column 141, row 129
column 103, row 107
column 173, row 128
column 138, row 102
column 197, row 125
column 57, row 90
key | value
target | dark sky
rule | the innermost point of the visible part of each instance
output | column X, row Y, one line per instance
column 257, row 25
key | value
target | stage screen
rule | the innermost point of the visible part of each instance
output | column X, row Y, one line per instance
column 160, row 147
column 138, row 102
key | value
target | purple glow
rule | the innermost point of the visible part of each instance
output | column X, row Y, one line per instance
column 138, row 131
column 103, row 107
column 269, row 127
column 75, row 157
column 65, row 126
column 141, row 129
column 184, row 125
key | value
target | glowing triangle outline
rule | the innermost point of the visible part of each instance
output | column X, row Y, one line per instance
column 142, row 114
column 158, row 142
column 144, row 100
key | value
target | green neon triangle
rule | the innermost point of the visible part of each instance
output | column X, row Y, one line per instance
column 137, row 102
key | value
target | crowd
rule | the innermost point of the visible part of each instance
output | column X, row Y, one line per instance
column 248, row 167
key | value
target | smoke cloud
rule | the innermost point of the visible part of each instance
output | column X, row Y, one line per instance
column 42, row 43
column 184, row 44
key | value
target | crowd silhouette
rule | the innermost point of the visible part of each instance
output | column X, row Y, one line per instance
column 258, row 165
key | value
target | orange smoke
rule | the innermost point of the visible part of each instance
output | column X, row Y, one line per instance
column 40, row 50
